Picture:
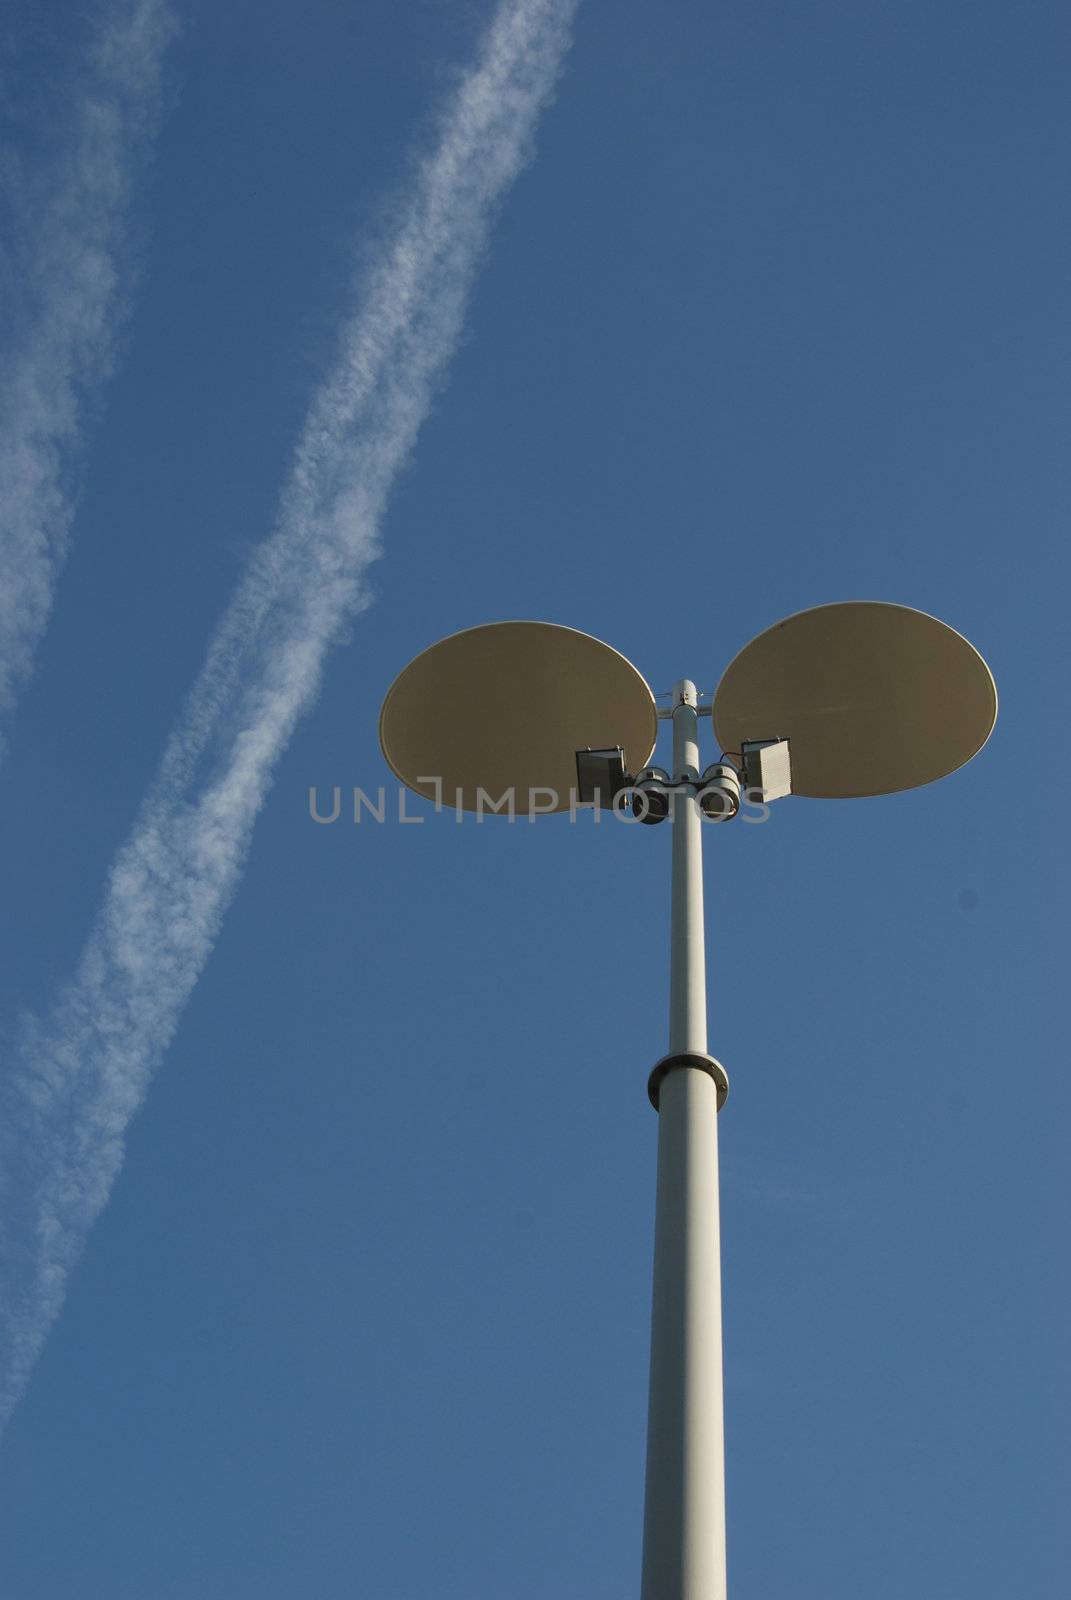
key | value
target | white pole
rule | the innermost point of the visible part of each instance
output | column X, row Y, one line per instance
column 684, row 1512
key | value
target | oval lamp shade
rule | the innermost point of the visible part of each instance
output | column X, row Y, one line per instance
column 872, row 697
column 506, row 707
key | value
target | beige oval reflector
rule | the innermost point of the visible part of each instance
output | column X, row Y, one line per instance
column 505, row 707
column 872, row 697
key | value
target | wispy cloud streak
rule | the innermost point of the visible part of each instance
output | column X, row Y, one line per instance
column 85, row 1069
column 70, row 268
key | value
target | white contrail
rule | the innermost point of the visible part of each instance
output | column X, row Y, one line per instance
column 84, row 1070
column 70, row 261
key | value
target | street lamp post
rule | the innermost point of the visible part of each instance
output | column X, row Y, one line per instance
column 684, row 1511
column 853, row 699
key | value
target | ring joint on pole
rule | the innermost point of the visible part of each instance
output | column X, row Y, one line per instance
column 688, row 1058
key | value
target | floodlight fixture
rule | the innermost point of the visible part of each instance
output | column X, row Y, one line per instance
column 767, row 768
column 600, row 776
column 866, row 698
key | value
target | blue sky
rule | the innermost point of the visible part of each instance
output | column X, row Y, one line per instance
column 775, row 316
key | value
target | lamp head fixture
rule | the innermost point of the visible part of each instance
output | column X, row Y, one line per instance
column 867, row 698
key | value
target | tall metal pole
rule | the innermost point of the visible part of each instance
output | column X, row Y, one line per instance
column 684, row 1512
